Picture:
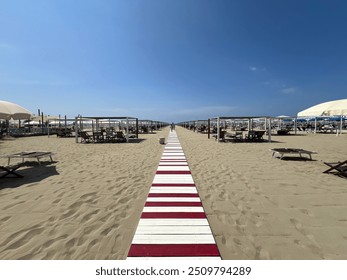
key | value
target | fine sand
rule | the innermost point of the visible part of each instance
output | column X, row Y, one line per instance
column 87, row 204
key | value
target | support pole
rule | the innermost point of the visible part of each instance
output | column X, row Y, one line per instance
column 218, row 126
column 269, row 131
column 208, row 128
column 295, row 125
column 127, row 137
column 42, row 122
column 137, row 128
column 76, row 130
column 65, row 125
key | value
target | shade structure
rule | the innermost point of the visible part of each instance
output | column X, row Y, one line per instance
column 45, row 118
column 10, row 110
column 331, row 108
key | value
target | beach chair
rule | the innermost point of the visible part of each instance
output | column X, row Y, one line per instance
column 10, row 170
column 98, row 137
column 110, row 136
column 222, row 134
column 259, row 135
column 337, row 168
column 85, row 137
column 251, row 135
column 120, row 136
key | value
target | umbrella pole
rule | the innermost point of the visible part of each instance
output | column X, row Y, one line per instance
column 7, row 127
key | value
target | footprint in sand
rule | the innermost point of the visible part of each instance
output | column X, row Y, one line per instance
column 71, row 243
column 4, row 219
column 89, row 216
column 12, row 205
column 314, row 248
column 88, row 195
column 298, row 226
column 261, row 253
column 56, row 201
column 306, row 212
column 106, row 231
column 25, row 239
column 50, row 242
column 92, row 244
column 237, row 242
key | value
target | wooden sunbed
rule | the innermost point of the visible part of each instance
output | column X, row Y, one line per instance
column 283, row 151
column 24, row 155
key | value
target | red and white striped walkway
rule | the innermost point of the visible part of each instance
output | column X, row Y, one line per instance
column 173, row 223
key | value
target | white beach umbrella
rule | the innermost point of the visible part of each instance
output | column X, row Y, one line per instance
column 331, row 108
column 10, row 110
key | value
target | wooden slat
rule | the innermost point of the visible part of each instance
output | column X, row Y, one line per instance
column 173, row 209
column 174, row 229
column 172, row 222
column 174, row 239
column 173, row 250
column 167, row 199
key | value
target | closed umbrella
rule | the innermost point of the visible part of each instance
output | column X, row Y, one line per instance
column 10, row 110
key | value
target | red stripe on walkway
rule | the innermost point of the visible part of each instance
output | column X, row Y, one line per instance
column 173, row 215
column 173, row 204
column 173, row 172
column 173, row 195
column 173, row 250
column 172, row 185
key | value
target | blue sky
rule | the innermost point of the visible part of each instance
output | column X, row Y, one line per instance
column 172, row 60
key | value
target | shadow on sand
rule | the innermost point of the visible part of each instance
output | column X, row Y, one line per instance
column 31, row 172
column 136, row 140
column 297, row 159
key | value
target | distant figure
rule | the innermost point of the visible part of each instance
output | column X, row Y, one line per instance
column 172, row 126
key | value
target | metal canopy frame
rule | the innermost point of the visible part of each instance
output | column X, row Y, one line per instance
column 248, row 118
column 97, row 119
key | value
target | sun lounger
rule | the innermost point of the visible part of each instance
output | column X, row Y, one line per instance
column 120, row 136
column 10, row 170
column 86, row 138
column 24, row 155
column 338, row 168
column 255, row 135
column 236, row 136
column 98, row 137
column 283, row 151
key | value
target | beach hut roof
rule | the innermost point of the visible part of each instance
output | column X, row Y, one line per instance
column 331, row 108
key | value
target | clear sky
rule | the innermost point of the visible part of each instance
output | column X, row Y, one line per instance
column 172, row 60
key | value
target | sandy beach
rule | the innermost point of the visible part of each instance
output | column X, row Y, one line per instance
column 87, row 204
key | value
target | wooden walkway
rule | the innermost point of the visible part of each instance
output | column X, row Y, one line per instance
column 173, row 223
